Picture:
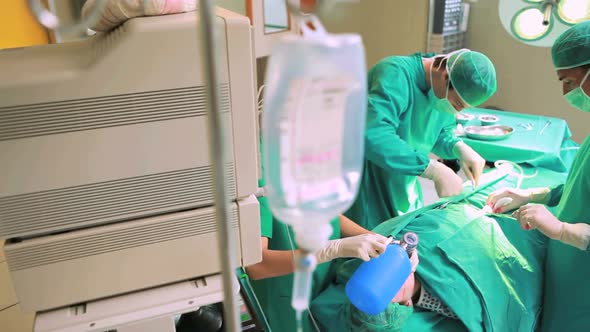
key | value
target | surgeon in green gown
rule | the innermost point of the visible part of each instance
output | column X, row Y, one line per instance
column 567, row 270
column 412, row 103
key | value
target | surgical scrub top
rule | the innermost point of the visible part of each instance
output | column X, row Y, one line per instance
column 274, row 294
column 567, row 270
column 401, row 131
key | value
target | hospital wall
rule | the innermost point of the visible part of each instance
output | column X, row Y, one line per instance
column 18, row 28
column 387, row 27
column 527, row 82
column 238, row 6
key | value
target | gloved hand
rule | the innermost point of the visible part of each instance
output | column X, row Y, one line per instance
column 446, row 182
column 533, row 216
column 519, row 197
column 116, row 12
column 537, row 216
column 364, row 246
column 471, row 162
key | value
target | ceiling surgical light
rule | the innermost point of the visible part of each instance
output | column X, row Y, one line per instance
column 540, row 22
column 528, row 24
column 573, row 11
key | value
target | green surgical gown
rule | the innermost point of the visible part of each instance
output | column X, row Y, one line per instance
column 401, row 131
column 274, row 294
column 567, row 271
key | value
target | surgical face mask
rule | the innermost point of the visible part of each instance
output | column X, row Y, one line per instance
column 578, row 98
column 440, row 104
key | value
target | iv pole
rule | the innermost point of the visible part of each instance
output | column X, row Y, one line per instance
column 218, row 154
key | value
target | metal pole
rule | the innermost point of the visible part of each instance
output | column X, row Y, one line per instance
column 430, row 24
column 217, row 152
column 548, row 8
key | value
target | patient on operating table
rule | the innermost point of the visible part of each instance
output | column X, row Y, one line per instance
column 477, row 273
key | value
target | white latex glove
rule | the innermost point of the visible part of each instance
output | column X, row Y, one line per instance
column 577, row 235
column 519, row 197
column 471, row 162
column 534, row 216
column 446, row 182
column 116, row 12
column 364, row 246
column 538, row 216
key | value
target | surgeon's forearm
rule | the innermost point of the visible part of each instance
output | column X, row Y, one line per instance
column 275, row 263
column 445, row 144
column 393, row 154
column 577, row 235
column 350, row 228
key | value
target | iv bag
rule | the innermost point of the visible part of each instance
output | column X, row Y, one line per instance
column 313, row 124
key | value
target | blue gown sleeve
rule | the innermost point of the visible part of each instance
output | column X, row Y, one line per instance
column 388, row 99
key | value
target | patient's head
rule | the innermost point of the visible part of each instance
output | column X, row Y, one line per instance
column 393, row 318
column 405, row 294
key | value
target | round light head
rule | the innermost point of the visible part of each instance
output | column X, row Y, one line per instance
column 523, row 19
column 573, row 11
column 528, row 25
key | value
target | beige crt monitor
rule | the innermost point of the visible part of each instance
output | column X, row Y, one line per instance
column 115, row 125
column 106, row 182
column 152, row 310
column 89, row 264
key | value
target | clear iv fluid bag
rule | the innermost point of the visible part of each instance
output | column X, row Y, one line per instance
column 313, row 126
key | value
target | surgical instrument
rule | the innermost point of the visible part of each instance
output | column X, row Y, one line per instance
column 544, row 127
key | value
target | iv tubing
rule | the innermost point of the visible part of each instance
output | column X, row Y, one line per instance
column 520, row 174
column 217, row 152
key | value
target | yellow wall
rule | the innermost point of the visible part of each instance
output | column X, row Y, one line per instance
column 18, row 27
column 527, row 82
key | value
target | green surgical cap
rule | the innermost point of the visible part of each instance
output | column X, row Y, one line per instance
column 473, row 76
column 572, row 48
column 393, row 319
